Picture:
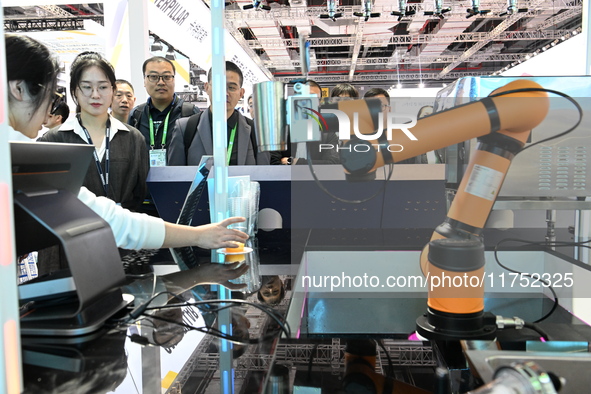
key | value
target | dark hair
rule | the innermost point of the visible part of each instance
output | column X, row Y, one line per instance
column 229, row 67
column 266, row 279
column 344, row 88
column 123, row 81
column 63, row 110
column 86, row 60
column 30, row 61
column 376, row 92
column 157, row 59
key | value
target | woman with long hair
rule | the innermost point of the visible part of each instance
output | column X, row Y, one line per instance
column 121, row 162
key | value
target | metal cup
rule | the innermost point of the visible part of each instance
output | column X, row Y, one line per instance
column 270, row 115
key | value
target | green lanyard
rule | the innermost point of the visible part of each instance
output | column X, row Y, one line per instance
column 231, row 143
column 163, row 133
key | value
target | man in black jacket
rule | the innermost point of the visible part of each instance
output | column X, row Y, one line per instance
column 155, row 118
column 193, row 137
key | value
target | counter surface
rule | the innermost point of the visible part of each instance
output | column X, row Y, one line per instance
column 112, row 362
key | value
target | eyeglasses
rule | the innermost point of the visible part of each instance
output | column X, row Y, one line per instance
column 102, row 89
column 156, row 78
column 385, row 106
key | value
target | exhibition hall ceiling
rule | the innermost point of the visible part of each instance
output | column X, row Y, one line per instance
column 380, row 42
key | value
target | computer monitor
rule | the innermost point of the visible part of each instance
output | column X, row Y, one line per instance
column 41, row 168
column 46, row 180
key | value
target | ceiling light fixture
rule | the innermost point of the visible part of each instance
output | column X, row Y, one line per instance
column 512, row 8
column 402, row 11
column 439, row 11
column 332, row 11
column 156, row 46
column 257, row 5
column 170, row 55
column 367, row 11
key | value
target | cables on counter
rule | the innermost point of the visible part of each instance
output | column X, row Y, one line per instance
column 224, row 304
column 538, row 277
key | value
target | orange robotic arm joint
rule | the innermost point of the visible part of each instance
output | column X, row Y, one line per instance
column 506, row 117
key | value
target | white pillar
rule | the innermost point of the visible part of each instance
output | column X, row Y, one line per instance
column 126, row 21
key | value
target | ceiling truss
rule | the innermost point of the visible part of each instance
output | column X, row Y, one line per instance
column 385, row 49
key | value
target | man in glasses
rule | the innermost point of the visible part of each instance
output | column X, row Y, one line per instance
column 155, row 118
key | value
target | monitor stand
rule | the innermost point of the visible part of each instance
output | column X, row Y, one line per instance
column 93, row 259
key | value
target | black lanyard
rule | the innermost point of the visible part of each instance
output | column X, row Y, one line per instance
column 103, row 174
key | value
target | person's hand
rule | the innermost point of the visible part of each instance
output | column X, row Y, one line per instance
column 208, row 236
column 206, row 274
column 218, row 235
column 221, row 274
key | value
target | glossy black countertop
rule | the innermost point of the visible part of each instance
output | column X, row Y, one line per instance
column 109, row 361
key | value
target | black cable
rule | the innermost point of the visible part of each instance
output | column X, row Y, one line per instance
column 563, row 95
column 554, row 306
column 390, row 373
column 534, row 327
column 231, row 303
column 546, row 283
column 215, row 332
column 584, row 244
column 325, row 190
column 141, row 309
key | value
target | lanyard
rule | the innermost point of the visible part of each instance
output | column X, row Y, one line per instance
column 231, row 143
column 164, row 131
column 104, row 175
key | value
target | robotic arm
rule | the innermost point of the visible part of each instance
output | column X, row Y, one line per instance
column 502, row 123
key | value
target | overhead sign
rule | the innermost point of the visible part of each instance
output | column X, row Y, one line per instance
column 186, row 25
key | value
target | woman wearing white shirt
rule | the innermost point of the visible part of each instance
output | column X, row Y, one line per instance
column 32, row 74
